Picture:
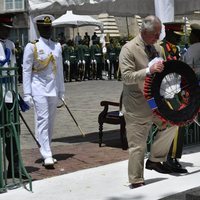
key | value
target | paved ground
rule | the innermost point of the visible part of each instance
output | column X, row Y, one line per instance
column 83, row 99
column 110, row 182
column 73, row 151
column 77, row 156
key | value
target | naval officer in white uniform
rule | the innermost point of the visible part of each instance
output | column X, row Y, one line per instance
column 43, row 83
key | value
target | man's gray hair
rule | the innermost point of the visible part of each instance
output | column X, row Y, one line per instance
column 149, row 23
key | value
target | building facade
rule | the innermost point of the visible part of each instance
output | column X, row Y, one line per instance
column 21, row 24
column 128, row 26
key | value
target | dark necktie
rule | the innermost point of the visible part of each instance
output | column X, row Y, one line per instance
column 151, row 52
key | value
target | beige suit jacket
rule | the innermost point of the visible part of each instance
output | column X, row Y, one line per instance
column 133, row 62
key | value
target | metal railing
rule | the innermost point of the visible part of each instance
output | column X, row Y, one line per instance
column 191, row 135
column 12, row 171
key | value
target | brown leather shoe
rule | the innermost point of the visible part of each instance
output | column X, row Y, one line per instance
column 136, row 185
column 157, row 166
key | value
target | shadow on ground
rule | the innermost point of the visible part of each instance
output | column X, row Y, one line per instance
column 110, row 139
column 76, row 153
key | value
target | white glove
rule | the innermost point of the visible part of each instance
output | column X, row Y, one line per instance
column 29, row 100
column 61, row 95
column 66, row 62
column 152, row 62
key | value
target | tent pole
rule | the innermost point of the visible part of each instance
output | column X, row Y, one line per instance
column 73, row 35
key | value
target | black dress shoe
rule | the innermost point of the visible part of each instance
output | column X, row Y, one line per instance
column 174, row 162
column 157, row 166
column 174, row 168
column 136, row 185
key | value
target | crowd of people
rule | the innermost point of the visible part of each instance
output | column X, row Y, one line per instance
column 47, row 64
column 85, row 59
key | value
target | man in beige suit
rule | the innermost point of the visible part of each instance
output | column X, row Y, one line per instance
column 136, row 61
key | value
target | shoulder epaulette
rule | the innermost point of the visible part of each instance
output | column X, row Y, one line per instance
column 35, row 41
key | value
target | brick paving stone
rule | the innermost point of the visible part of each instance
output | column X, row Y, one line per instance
column 73, row 151
column 73, row 157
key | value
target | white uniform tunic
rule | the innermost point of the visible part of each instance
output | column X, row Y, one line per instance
column 43, row 80
column 12, row 63
column 11, row 46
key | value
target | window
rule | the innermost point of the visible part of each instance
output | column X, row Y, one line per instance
column 14, row 5
column 8, row 4
column 20, row 34
column 19, row 4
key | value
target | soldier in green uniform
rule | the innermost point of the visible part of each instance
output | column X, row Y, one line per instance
column 97, row 56
column 172, row 39
column 174, row 31
column 70, row 59
column 81, row 60
column 66, row 62
column 112, row 59
column 87, row 59
column 117, row 50
column 93, row 62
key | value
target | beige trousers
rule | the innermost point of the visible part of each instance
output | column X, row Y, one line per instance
column 137, row 133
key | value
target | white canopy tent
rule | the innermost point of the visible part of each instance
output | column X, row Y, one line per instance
column 112, row 7
column 73, row 20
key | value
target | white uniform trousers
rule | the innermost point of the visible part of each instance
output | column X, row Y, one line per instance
column 45, row 112
column 137, row 133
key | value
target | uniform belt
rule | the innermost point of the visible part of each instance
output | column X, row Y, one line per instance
column 98, row 54
column 72, row 56
column 112, row 54
column 87, row 54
